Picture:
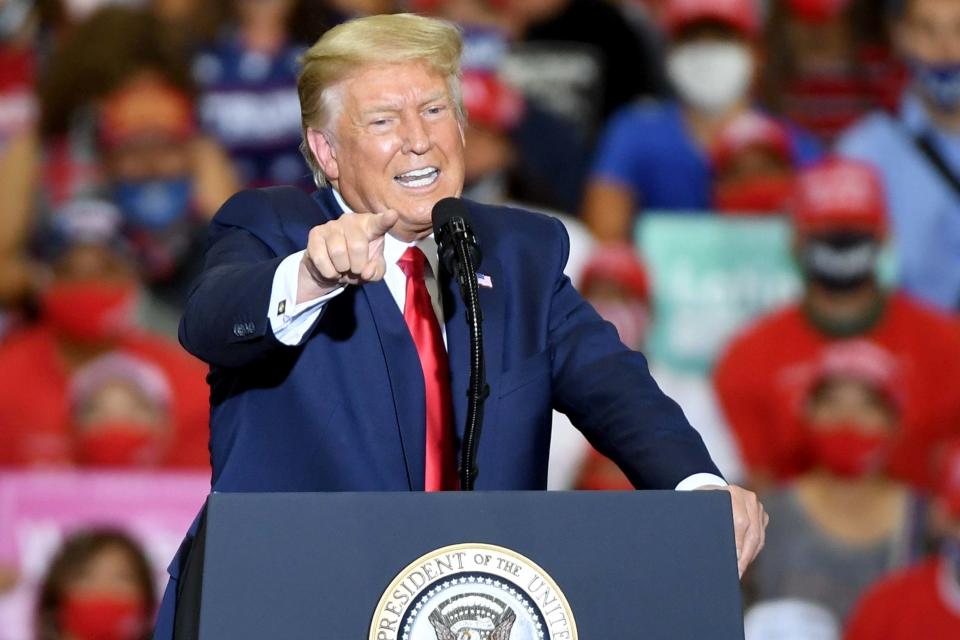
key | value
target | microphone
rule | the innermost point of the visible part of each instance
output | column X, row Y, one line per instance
column 459, row 254
column 451, row 229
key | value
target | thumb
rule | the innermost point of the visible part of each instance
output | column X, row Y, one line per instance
column 381, row 223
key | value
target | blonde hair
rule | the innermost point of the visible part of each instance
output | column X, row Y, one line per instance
column 379, row 39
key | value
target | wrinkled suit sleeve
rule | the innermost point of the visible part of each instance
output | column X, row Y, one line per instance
column 225, row 322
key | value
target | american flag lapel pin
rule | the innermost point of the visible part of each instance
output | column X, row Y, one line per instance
column 484, row 280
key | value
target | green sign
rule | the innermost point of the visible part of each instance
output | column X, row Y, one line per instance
column 710, row 275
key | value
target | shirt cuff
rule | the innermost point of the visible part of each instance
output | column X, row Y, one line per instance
column 291, row 321
column 700, row 480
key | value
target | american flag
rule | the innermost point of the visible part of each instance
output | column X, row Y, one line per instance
column 484, row 280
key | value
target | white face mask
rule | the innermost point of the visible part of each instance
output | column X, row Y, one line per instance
column 710, row 76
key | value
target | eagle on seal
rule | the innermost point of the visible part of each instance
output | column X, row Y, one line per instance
column 474, row 624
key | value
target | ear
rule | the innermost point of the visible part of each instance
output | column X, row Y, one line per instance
column 324, row 153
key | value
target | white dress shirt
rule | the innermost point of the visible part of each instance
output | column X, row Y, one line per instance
column 291, row 321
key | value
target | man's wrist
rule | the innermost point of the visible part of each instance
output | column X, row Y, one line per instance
column 310, row 287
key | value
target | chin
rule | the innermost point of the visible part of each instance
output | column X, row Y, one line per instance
column 420, row 207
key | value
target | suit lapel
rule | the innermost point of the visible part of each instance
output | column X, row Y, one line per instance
column 406, row 379
column 400, row 357
column 458, row 349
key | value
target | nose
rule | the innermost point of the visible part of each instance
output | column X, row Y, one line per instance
column 416, row 137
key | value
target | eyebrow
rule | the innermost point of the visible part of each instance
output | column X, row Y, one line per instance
column 434, row 97
column 393, row 107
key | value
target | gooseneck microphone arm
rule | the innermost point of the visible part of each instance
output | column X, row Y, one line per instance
column 477, row 391
column 460, row 255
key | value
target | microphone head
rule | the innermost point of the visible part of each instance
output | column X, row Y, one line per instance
column 451, row 225
column 447, row 209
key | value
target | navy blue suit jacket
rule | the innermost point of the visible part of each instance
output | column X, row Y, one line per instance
column 344, row 411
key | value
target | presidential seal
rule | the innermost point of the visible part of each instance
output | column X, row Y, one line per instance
column 473, row 592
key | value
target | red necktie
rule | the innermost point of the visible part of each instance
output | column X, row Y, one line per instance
column 440, row 467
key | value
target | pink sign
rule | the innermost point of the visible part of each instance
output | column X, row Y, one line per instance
column 39, row 509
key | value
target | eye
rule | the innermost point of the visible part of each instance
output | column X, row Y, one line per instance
column 436, row 109
column 380, row 123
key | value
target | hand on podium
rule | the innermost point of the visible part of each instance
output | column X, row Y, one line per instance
column 749, row 523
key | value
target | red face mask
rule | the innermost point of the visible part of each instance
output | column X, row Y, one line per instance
column 119, row 444
column 90, row 312
column 757, row 195
column 103, row 617
column 846, row 451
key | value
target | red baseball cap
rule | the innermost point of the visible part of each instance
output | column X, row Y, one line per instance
column 751, row 130
column 145, row 376
column 617, row 263
column 838, row 194
column 490, row 102
column 817, row 11
column 865, row 362
column 742, row 15
column 146, row 106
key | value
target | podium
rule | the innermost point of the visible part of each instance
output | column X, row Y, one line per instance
column 657, row 565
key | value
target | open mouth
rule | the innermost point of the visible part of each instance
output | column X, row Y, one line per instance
column 418, row 178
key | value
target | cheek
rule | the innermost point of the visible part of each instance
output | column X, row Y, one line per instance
column 386, row 149
column 129, row 166
column 953, row 41
column 172, row 163
column 110, row 579
column 923, row 43
column 876, row 418
column 371, row 160
column 820, row 414
column 448, row 136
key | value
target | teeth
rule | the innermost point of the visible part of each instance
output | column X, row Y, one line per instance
column 417, row 173
column 419, row 177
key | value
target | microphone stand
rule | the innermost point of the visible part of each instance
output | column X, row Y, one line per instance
column 478, row 390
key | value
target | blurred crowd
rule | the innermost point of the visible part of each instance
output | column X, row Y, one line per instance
column 125, row 124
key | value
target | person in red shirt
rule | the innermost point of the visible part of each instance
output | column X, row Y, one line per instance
column 87, row 312
column 922, row 601
column 839, row 224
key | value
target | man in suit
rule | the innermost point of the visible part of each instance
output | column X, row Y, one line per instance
column 338, row 349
